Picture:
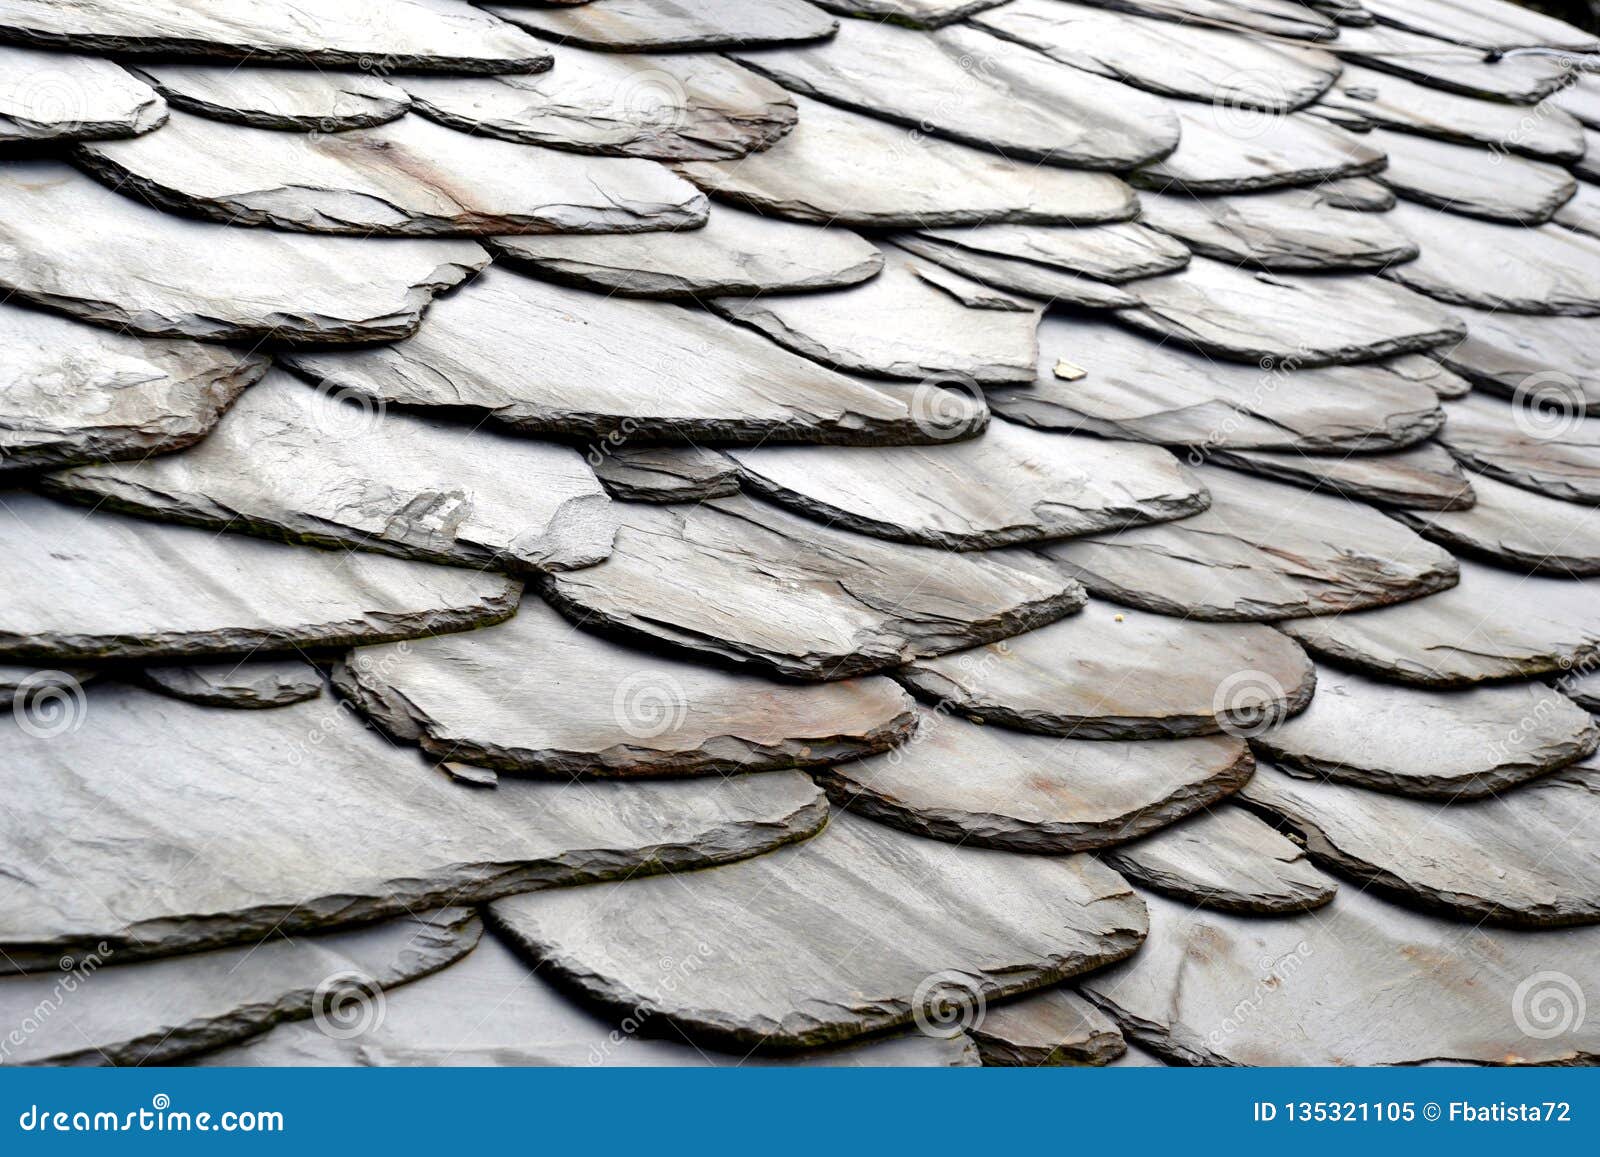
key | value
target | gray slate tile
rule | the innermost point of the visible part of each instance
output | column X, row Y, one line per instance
column 1287, row 229
column 1556, row 454
column 1235, row 149
column 292, row 99
column 249, row 684
column 1056, row 1027
column 642, row 25
column 665, row 473
column 1472, row 180
column 1421, row 477
column 1516, row 528
column 60, row 96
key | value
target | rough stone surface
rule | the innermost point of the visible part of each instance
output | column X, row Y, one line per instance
column 1054, row 1027
column 642, row 25
column 156, row 1012
column 1235, row 150
column 410, row 34
column 745, row 582
column 1520, row 79
column 1516, row 528
column 274, row 848
column 293, row 99
column 74, row 393
column 1039, row 795
column 1262, row 551
column 1493, row 625
column 409, row 178
column 666, row 474
column 545, row 359
column 312, row 465
column 1153, row 391
column 897, row 325
column 101, row 585
column 537, row 696
column 246, row 683
column 1228, row 860
column 1232, row 313
column 1548, row 362
column 679, row 106
column 1115, row 253
column 735, row 253
column 1458, row 744
column 1492, row 265
column 1283, row 18
column 1108, row 674
column 1485, row 24
column 1467, row 179
column 1281, row 229
column 1421, row 477
column 968, row 85
column 853, row 924
column 131, row 267
column 1359, row 982
column 493, row 1009
column 1191, row 61
column 1554, row 454
column 1525, row 858
column 59, row 96
column 1009, row 485
column 1052, row 286
column 839, row 167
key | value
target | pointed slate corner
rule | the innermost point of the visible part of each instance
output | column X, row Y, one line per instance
column 747, row 583
column 909, row 923
column 249, row 683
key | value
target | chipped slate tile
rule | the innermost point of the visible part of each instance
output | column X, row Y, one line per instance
column 313, row 465
column 249, row 684
column 665, row 473
column 536, row 695
column 1422, row 477
column 1471, row 180
column 128, row 266
column 899, row 909
column 274, row 848
column 87, row 585
column 1520, row 79
column 1115, row 253
column 1055, row 1027
column 1486, row 24
column 1049, row 285
column 1546, row 362
column 1261, row 551
column 292, row 99
column 1284, row 18
column 1237, row 150
column 1516, row 528
column 1037, row 795
column 746, row 582
column 1280, row 229
column 1556, row 453
column 916, row 13
column 1228, row 860
column 642, row 25
column 59, row 96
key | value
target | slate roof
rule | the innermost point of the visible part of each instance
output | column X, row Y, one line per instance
column 877, row 532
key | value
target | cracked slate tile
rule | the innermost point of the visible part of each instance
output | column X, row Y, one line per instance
column 60, row 96
column 1496, row 266
column 1115, row 253
column 156, row 1012
column 1009, row 485
column 1056, row 1027
column 1516, row 528
column 839, row 167
column 1036, row 795
column 1524, row 859
column 897, row 325
column 734, row 253
column 1359, row 982
column 1260, row 317
column 1190, row 61
column 537, row 696
column 442, row 35
column 1287, row 229
column 1486, row 24
column 1042, row 282
column 1471, row 180
column 1232, row 149
column 746, row 582
column 1262, row 551
column 1493, row 625
column 1394, row 102
column 675, row 106
column 311, row 465
column 970, row 86
column 131, row 267
column 1547, row 362
column 1431, row 744
column 249, row 684
column 1554, row 454
column 73, row 393
column 274, row 849
column 1122, row 384
column 85, row 585
column 1421, row 477
column 643, row 25
column 545, row 359
column 408, row 178
column 292, row 99
column 1228, row 860
column 665, row 473
column 858, row 930
column 1108, row 674
column 493, row 1009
